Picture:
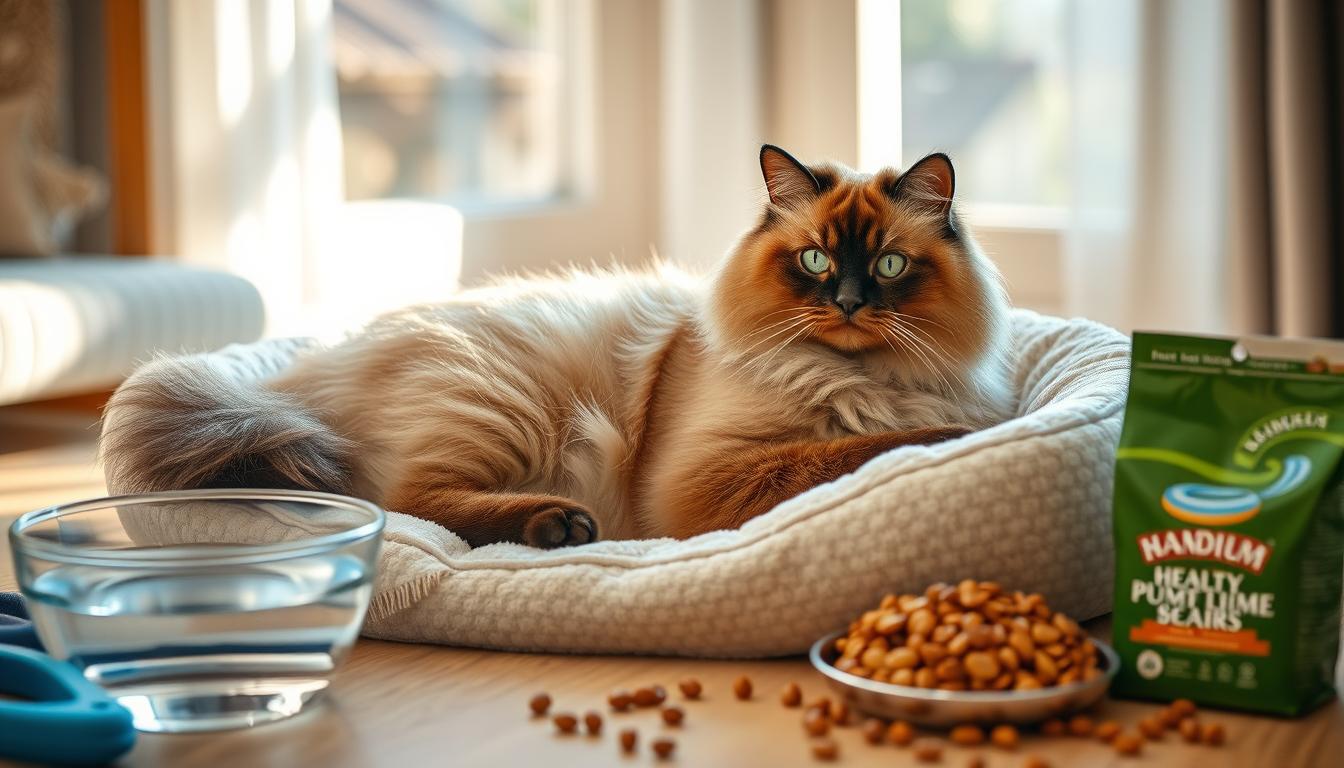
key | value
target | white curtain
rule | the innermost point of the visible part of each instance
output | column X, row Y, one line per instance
column 1145, row 246
column 248, row 144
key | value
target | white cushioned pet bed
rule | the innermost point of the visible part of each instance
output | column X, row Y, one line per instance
column 1026, row 503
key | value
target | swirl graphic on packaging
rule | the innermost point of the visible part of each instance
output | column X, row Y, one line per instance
column 1203, row 504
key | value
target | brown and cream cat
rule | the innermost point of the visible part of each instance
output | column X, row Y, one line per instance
column 856, row 316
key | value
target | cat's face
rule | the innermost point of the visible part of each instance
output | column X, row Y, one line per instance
column 859, row 263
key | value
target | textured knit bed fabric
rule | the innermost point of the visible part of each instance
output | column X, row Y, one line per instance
column 1025, row 503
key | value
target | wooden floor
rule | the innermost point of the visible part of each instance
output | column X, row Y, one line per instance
column 415, row 705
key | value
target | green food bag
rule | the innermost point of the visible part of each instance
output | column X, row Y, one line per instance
column 1229, row 522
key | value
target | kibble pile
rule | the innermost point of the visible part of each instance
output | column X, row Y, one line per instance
column 974, row 636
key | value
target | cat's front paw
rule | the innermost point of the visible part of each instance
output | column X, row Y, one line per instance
column 560, row 526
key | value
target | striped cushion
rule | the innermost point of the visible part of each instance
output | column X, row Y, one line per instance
column 71, row 325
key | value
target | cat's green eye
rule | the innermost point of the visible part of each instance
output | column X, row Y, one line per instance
column 815, row 261
column 890, row 264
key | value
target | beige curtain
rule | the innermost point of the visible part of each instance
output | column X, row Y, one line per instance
column 1208, row 166
column 1286, row 168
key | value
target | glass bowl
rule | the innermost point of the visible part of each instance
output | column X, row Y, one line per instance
column 201, row 610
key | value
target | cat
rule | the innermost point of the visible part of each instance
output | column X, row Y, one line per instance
column 858, row 315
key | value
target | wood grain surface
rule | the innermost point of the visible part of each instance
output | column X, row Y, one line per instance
column 419, row 705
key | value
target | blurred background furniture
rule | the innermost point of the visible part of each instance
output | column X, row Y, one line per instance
column 71, row 325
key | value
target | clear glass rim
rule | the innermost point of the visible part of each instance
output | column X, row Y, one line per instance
column 188, row 555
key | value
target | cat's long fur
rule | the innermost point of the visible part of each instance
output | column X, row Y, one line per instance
column 648, row 399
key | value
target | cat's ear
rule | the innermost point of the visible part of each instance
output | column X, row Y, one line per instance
column 787, row 180
column 928, row 184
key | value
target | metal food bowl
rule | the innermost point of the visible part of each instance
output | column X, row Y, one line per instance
column 940, row 709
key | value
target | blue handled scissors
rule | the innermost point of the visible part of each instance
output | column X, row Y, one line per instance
column 60, row 717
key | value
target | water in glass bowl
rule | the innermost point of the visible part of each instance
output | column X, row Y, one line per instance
column 204, row 648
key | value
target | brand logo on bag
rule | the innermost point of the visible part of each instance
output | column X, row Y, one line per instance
column 1268, row 430
column 1228, row 547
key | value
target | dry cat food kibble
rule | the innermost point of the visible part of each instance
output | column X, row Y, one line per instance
column 1127, row 744
column 565, row 722
column 974, row 636
column 1080, row 725
column 621, row 700
column 1004, row 736
column 825, row 749
column 663, row 747
column 593, row 722
column 1053, row 727
column 840, row 713
column 651, row 696
column 815, row 722
column 1152, row 727
column 1107, row 731
column 874, row 730
column 822, row 703
column 690, row 688
column 629, row 738
column 1189, row 729
column 540, row 704
column 1214, row 735
column 673, row 715
column 900, row 733
column 791, row 696
column 967, row 735
column 928, row 750
column 742, row 688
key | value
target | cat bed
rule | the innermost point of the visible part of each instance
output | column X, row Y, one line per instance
column 1025, row 503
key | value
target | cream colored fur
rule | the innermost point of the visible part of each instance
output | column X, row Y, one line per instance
column 542, row 385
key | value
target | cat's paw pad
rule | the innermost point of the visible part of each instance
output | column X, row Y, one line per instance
column 560, row 527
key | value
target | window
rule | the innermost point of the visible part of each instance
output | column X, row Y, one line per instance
column 456, row 100
column 985, row 81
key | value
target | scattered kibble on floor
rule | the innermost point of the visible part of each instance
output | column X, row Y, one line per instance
column 593, row 722
column 822, row 713
column 565, row 722
column 1080, row 725
column 663, row 747
column 1004, row 736
column 901, row 733
column 928, row 750
column 690, row 688
column 1107, row 731
column 1126, row 743
column 621, row 700
column 815, row 722
column 825, row 749
column 967, row 735
column 742, row 688
column 874, row 730
column 539, row 704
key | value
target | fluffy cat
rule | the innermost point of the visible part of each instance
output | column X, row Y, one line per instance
column 856, row 316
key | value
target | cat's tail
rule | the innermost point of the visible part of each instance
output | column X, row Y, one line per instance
column 193, row 422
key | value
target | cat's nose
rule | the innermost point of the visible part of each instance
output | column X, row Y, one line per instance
column 849, row 300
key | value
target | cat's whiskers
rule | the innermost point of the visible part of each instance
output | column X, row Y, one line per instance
column 919, row 318
column 928, row 337
column 808, row 313
column 797, row 313
column 776, row 350
column 917, row 346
